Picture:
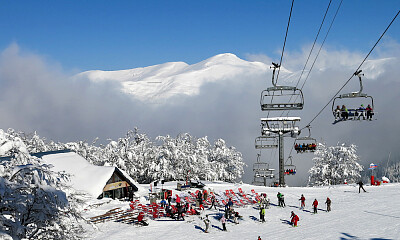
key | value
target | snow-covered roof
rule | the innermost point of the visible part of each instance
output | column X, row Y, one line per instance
column 85, row 176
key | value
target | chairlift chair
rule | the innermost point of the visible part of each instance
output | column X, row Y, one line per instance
column 261, row 169
column 265, row 142
column 277, row 98
column 305, row 144
column 354, row 112
column 290, row 169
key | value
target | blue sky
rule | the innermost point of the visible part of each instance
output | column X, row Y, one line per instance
column 111, row 35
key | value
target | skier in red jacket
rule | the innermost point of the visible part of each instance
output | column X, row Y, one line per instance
column 294, row 219
column 140, row 219
column 315, row 204
column 303, row 201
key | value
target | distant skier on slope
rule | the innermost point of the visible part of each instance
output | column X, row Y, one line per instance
column 360, row 186
column 328, row 204
column 281, row 200
column 262, row 214
column 303, row 201
column 223, row 221
column 315, row 204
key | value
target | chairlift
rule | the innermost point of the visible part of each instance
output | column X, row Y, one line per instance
column 355, row 112
column 305, row 144
column 261, row 169
column 290, row 169
column 265, row 142
column 277, row 98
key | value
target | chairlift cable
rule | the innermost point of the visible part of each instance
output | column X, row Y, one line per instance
column 319, row 51
column 284, row 42
column 387, row 28
column 315, row 40
column 323, row 42
column 283, row 49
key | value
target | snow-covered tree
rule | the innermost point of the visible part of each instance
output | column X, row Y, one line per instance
column 144, row 160
column 335, row 164
column 34, row 204
column 393, row 172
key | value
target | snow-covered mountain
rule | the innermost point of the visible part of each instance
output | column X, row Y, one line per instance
column 160, row 82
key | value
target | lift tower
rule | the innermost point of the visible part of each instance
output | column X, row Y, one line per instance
column 280, row 127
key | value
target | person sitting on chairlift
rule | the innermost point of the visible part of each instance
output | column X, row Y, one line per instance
column 296, row 147
column 344, row 113
column 369, row 112
column 314, row 147
column 360, row 112
column 337, row 113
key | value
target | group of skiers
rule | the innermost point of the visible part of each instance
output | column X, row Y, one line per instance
column 305, row 147
column 315, row 203
column 343, row 113
column 177, row 212
column 290, row 171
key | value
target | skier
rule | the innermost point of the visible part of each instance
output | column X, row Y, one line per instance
column 213, row 203
column 262, row 214
column 369, row 112
column 303, row 201
column 140, row 219
column 223, row 221
column 230, row 203
column 283, row 200
column 259, row 238
column 163, row 203
column 178, row 200
column 294, row 219
column 180, row 212
column 207, row 223
column 328, row 204
column 236, row 217
column 227, row 209
column 315, row 204
column 279, row 199
column 205, row 194
column 360, row 186
column 200, row 198
column 169, row 199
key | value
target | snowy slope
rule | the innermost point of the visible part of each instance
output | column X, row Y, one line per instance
column 371, row 215
column 160, row 82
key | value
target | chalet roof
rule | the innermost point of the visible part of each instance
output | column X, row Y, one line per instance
column 85, row 176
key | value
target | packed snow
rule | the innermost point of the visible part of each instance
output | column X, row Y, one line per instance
column 367, row 215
